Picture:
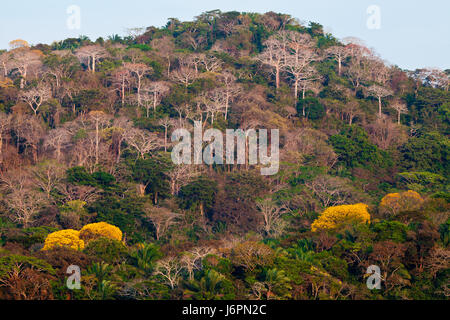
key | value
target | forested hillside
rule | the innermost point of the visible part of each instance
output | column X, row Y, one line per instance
column 87, row 179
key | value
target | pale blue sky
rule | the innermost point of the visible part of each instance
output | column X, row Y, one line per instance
column 413, row 33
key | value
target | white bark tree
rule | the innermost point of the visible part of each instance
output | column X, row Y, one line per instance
column 91, row 54
column 340, row 53
column 379, row 92
column 142, row 141
column 401, row 108
column 36, row 96
column 140, row 70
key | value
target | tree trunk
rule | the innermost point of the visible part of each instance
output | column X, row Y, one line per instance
column 277, row 78
column 379, row 107
column 339, row 66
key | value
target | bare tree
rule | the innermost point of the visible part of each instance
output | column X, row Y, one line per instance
column 379, row 92
column 25, row 61
column 157, row 91
column 165, row 47
column 142, row 141
column 185, row 74
column 4, row 63
column 400, row 108
column 210, row 62
column 180, row 176
column 30, row 128
column 139, row 70
column 20, row 197
column 121, row 80
column 48, row 175
column 272, row 214
column 351, row 110
column 330, row 190
column 56, row 139
column 91, row 54
column 100, row 119
column 383, row 132
column 35, row 96
column 192, row 259
column 274, row 56
column 162, row 219
column 438, row 260
column 231, row 89
column 170, row 270
column 166, row 123
column 299, row 67
column 340, row 53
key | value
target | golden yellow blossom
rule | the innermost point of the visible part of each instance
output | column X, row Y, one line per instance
column 334, row 217
column 64, row 238
column 100, row 229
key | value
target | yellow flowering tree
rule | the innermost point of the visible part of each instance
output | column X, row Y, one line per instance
column 100, row 229
column 337, row 216
column 393, row 203
column 68, row 238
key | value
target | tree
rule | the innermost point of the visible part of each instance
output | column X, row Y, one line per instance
column 387, row 255
column 157, row 91
column 184, row 74
column 393, row 203
column 201, row 192
column 57, row 139
column 64, row 238
column 25, row 204
column 92, row 54
column 274, row 55
column 121, row 79
column 97, row 230
column 379, row 92
column 166, row 123
column 36, row 96
column 25, row 61
column 100, row 119
column 339, row 216
column 165, row 47
column 400, row 108
column 192, row 259
column 340, row 53
column 48, row 175
column 230, row 89
column 170, row 271
column 331, row 191
column 180, row 176
column 151, row 174
column 251, row 254
column 139, row 70
column 142, row 141
column 272, row 214
column 162, row 219
column 299, row 66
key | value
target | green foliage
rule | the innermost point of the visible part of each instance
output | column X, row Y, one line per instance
column 8, row 262
column 109, row 250
column 355, row 150
column 428, row 152
column 199, row 192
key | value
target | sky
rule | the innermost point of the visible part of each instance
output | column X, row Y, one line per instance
column 408, row 33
